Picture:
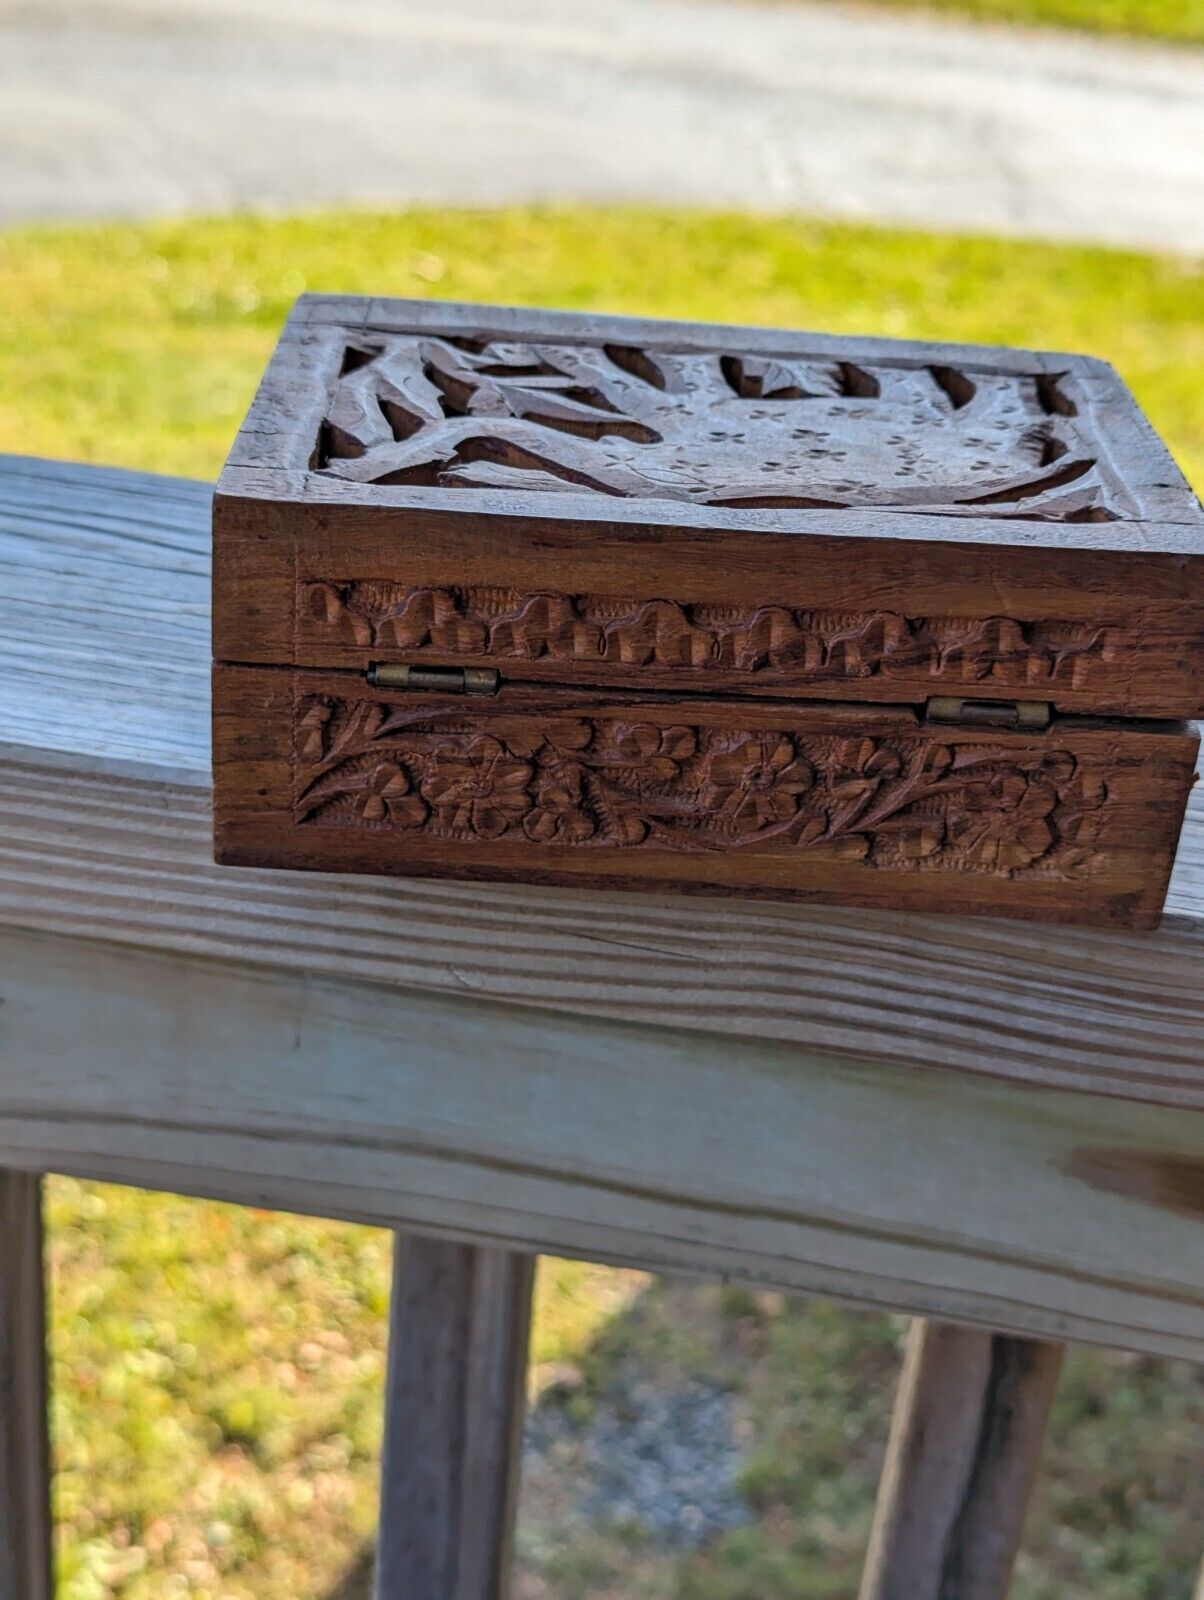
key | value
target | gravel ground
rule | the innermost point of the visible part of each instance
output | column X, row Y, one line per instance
column 662, row 1459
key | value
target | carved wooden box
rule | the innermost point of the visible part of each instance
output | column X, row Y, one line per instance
column 509, row 594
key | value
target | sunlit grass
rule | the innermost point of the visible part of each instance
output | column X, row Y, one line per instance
column 141, row 346
column 218, row 1390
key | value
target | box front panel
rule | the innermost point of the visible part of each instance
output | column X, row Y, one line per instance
column 855, row 804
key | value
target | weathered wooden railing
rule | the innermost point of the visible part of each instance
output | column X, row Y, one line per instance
column 988, row 1124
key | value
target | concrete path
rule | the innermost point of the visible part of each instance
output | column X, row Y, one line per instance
column 145, row 107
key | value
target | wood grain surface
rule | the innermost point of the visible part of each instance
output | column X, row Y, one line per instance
column 964, row 1450
column 25, row 1519
column 1056, row 1214
column 453, row 1420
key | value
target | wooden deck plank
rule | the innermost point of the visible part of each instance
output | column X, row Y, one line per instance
column 453, row 1421
column 1045, row 1212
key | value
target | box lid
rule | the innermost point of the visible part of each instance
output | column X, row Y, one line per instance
column 740, row 510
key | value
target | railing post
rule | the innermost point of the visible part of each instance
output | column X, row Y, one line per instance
column 453, row 1420
column 965, row 1442
column 25, row 1524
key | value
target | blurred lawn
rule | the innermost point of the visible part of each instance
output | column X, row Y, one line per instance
column 217, row 1391
column 140, row 346
column 218, row 1372
column 1179, row 20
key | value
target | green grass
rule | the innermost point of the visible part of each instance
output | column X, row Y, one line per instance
column 218, row 1372
column 142, row 345
column 1181, row 21
column 217, row 1381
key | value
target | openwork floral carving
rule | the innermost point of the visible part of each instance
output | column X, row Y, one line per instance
column 712, row 428
column 661, row 636
column 910, row 801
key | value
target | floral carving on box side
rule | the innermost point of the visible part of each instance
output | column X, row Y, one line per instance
column 666, row 637
column 910, row 801
column 711, row 428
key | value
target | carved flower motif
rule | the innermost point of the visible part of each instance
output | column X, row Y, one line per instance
column 389, row 794
column 859, row 767
column 480, row 789
column 758, row 782
column 1009, row 827
column 559, row 815
column 656, row 753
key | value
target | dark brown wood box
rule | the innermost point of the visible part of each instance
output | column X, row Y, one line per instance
column 512, row 594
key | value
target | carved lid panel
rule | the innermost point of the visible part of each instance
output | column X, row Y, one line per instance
column 718, row 428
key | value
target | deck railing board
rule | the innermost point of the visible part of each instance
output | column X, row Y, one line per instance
column 940, row 1193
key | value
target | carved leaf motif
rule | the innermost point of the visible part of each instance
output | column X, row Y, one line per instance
column 389, row 796
column 661, row 635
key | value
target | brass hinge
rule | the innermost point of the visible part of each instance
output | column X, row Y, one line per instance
column 442, row 680
column 988, row 713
